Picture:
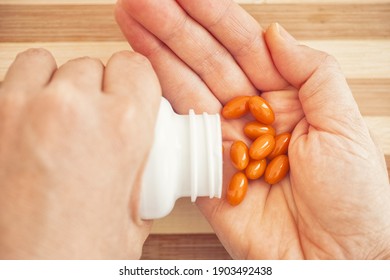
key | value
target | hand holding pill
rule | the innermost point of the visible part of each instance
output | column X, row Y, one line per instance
column 324, row 205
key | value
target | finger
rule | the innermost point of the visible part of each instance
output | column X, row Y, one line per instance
column 130, row 74
column 31, row 70
column 180, row 85
column 84, row 73
column 192, row 44
column 326, row 99
column 241, row 35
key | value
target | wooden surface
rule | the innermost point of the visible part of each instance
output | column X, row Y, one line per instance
column 188, row 247
column 356, row 32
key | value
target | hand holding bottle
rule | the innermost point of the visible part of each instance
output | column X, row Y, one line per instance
column 73, row 145
column 336, row 201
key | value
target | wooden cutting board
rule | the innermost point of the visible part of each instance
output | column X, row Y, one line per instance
column 356, row 32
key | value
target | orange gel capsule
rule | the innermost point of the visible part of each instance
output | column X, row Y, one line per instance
column 237, row 188
column 255, row 129
column 281, row 145
column 261, row 110
column 262, row 147
column 255, row 169
column 239, row 155
column 277, row 169
column 236, row 108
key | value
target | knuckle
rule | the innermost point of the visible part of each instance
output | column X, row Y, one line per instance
column 87, row 61
column 209, row 62
column 59, row 89
column 331, row 60
column 35, row 52
column 224, row 12
column 331, row 69
column 176, row 29
column 58, row 113
column 129, row 125
column 133, row 58
column 58, row 102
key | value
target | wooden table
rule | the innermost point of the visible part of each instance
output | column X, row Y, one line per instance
column 356, row 32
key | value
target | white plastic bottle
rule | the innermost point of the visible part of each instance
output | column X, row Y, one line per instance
column 185, row 161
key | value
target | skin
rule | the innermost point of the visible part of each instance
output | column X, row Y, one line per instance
column 335, row 202
column 72, row 151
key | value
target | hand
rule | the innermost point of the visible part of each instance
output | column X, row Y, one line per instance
column 73, row 144
column 335, row 203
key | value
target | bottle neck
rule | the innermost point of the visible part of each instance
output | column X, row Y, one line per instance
column 206, row 155
column 185, row 160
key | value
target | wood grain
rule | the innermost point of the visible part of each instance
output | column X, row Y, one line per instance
column 372, row 96
column 56, row 23
column 180, row 246
column 327, row 21
column 359, row 59
column 366, row 59
column 53, row 23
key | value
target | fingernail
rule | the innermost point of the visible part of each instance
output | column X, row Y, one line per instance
column 285, row 35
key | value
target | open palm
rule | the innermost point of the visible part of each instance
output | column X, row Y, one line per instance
column 335, row 201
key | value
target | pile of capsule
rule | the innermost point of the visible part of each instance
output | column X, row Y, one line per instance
column 267, row 154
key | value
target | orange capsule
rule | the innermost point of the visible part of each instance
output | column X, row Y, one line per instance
column 262, row 147
column 281, row 145
column 261, row 110
column 236, row 108
column 277, row 169
column 239, row 155
column 255, row 129
column 255, row 169
column 237, row 188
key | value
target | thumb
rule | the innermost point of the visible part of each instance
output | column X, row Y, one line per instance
column 326, row 99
